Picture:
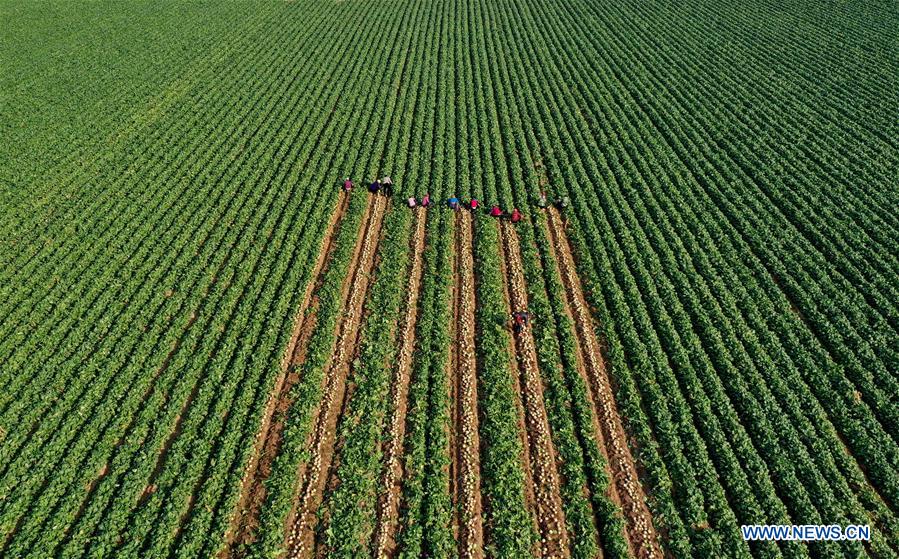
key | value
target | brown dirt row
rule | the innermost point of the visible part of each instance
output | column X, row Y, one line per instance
column 314, row 474
column 521, row 426
column 550, row 517
column 465, row 478
column 245, row 517
column 642, row 537
column 344, row 295
column 393, row 471
column 612, row 490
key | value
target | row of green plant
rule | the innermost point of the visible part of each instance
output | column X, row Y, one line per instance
column 622, row 226
column 352, row 509
column 281, row 483
column 353, row 505
column 568, row 407
column 779, row 270
column 509, row 528
column 425, row 514
column 137, row 398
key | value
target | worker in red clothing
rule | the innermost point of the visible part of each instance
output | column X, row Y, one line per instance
column 495, row 211
column 519, row 321
column 347, row 185
column 516, row 216
column 473, row 205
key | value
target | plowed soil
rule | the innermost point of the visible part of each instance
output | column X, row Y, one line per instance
column 550, row 517
column 627, row 490
column 393, row 473
column 245, row 518
column 314, row 473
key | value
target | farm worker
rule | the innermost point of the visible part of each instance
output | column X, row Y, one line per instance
column 541, row 202
column 473, row 204
column 411, row 202
column 562, row 202
column 454, row 203
column 516, row 216
column 347, row 184
column 375, row 186
column 426, row 201
column 520, row 320
column 387, row 186
column 495, row 211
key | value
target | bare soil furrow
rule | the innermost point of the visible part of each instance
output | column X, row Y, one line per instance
column 642, row 536
column 612, row 490
column 352, row 271
column 465, row 475
column 550, row 516
column 315, row 472
column 245, row 517
column 521, row 427
column 388, row 510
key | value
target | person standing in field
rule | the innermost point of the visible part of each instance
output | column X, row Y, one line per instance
column 387, row 186
column 375, row 186
column 426, row 201
column 562, row 203
column 519, row 321
column 347, row 185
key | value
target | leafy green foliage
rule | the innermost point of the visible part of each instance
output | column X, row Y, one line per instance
column 166, row 179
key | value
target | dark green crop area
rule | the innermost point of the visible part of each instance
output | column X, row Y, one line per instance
column 168, row 175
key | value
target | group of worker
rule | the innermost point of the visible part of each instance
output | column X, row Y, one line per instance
column 425, row 201
column 561, row 202
column 455, row 204
column 383, row 186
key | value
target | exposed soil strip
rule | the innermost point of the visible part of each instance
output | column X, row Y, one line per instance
column 521, row 426
column 642, row 537
column 245, row 517
column 550, row 517
column 465, row 477
column 612, row 490
column 388, row 510
column 352, row 269
column 315, row 472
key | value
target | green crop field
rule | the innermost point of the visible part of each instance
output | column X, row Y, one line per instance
column 209, row 349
